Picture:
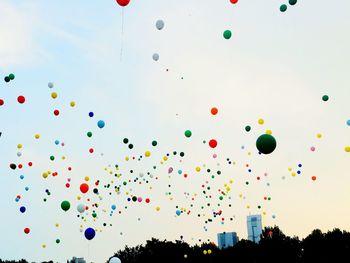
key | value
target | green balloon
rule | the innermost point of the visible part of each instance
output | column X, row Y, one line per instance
column 188, row 133
column 325, row 98
column 89, row 134
column 266, row 144
column 154, row 143
column 293, row 2
column 12, row 76
column 283, row 8
column 58, row 241
column 65, row 205
column 248, row 128
column 52, row 157
column 227, row 34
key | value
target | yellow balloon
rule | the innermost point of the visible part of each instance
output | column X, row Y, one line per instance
column 43, row 246
column 54, row 95
column 147, row 153
column 157, row 208
column 319, row 135
column 126, row 158
column 347, row 149
column 293, row 173
column 268, row 132
column 19, row 146
column 198, row 169
column 72, row 103
column 165, row 158
column 45, row 175
column 37, row 136
column 205, row 252
column 87, row 178
column 261, row 121
column 209, row 251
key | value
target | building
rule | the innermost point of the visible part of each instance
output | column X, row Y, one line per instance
column 226, row 240
column 77, row 260
column 254, row 228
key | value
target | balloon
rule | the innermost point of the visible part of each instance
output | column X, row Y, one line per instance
column 21, row 99
column 84, row 188
column 214, row 111
column 160, row 24
column 54, row 95
column 147, row 153
column 154, row 143
column 72, row 103
column 89, row 233
column 261, row 121
column 27, row 230
column 100, row 124
column 65, row 205
column 56, row 112
column 50, row 85
column 155, row 57
column 178, row 212
column 114, row 260
column 248, row 128
column 123, row 2
column 293, row 2
column 213, row 143
column 266, row 144
column 7, row 79
column 81, row 208
column 188, row 133
column 347, row 149
column 2, row 102
column 283, row 8
column 348, row 122
column 234, row 1
column 227, row 34
column 325, row 97
column 313, row 178
column 22, row 209
column 13, row 166
column 12, row 76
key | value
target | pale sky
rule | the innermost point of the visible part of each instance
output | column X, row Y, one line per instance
column 276, row 66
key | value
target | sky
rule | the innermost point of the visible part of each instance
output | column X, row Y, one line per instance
column 275, row 67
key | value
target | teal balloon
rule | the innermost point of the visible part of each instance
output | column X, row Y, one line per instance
column 266, row 144
column 293, row 2
column 283, row 8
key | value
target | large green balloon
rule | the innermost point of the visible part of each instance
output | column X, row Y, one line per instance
column 293, row 2
column 65, row 205
column 283, row 8
column 188, row 133
column 266, row 144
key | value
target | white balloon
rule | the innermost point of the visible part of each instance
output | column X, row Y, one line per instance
column 50, row 85
column 155, row 56
column 160, row 24
column 115, row 260
column 81, row 208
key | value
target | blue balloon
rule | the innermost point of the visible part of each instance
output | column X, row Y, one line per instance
column 100, row 124
column 114, row 207
column 57, row 142
column 178, row 212
column 22, row 177
column 89, row 233
column 91, row 114
column 22, row 209
column 348, row 122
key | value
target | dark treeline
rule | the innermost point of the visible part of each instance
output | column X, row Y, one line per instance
column 274, row 246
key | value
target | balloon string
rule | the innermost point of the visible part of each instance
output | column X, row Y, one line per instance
column 121, row 46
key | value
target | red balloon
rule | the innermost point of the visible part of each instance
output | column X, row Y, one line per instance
column 214, row 110
column 313, row 178
column 1, row 102
column 91, row 150
column 213, row 143
column 21, row 99
column 123, row 2
column 84, row 188
column 234, row 1
column 26, row 230
column 56, row 112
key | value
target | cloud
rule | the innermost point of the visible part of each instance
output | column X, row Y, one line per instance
column 18, row 45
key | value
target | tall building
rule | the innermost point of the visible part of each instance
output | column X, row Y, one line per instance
column 254, row 228
column 226, row 240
